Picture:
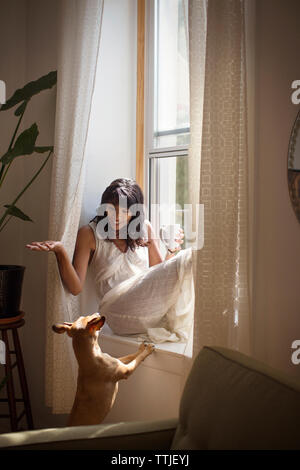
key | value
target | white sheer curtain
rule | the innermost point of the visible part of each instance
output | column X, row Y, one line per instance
column 78, row 45
column 219, row 172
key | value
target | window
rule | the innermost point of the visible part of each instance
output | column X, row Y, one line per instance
column 167, row 110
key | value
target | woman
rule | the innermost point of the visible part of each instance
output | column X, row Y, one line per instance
column 120, row 247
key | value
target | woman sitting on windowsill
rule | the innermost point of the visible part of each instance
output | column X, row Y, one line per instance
column 139, row 292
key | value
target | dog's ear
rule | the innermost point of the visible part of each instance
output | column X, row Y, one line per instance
column 61, row 327
column 96, row 323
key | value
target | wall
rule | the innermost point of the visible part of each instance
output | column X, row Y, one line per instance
column 111, row 138
column 13, row 73
column 277, row 232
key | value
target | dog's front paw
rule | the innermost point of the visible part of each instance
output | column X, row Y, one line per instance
column 142, row 346
column 150, row 347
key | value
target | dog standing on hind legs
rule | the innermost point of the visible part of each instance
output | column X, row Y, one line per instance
column 98, row 372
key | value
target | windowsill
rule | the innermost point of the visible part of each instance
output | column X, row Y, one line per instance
column 176, row 349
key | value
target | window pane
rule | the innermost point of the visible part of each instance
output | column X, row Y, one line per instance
column 171, row 191
column 171, row 81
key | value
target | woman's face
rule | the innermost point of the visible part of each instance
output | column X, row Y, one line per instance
column 118, row 216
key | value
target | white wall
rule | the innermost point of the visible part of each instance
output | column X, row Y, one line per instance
column 277, row 231
column 111, row 138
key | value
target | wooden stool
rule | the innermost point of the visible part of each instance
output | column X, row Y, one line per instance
column 6, row 324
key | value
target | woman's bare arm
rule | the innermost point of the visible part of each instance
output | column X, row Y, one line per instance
column 154, row 253
column 72, row 274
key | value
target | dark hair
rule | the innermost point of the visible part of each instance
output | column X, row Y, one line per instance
column 129, row 189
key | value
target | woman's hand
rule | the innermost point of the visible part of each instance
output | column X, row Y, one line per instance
column 179, row 240
column 72, row 273
column 48, row 245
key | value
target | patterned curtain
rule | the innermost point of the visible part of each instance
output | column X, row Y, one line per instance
column 78, row 46
column 219, row 172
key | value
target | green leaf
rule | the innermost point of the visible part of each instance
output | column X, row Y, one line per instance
column 31, row 89
column 21, row 108
column 14, row 211
column 25, row 145
column 43, row 149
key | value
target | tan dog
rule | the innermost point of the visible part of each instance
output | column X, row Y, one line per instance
column 98, row 373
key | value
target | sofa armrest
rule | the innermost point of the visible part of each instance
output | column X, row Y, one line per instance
column 130, row 436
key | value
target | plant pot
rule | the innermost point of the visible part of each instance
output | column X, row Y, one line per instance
column 11, row 281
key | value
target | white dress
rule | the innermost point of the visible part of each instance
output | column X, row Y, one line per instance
column 156, row 301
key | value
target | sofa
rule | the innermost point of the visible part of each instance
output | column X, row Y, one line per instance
column 230, row 401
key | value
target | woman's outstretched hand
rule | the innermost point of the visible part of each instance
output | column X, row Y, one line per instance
column 48, row 245
column 72, row 275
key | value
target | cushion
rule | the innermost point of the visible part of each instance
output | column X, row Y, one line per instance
column 232, row 401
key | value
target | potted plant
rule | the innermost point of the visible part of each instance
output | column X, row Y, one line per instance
column 11, row 276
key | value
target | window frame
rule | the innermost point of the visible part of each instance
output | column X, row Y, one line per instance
column 151, row 154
